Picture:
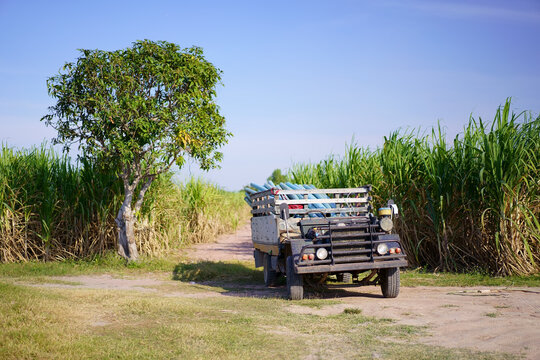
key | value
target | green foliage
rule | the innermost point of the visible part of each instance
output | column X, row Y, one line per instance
column 277, row 177
column 142, row 107
column 473, row 203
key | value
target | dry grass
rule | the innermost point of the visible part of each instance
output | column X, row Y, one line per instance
column 51, row 209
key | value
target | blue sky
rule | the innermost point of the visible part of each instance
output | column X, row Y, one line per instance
column 301, row 78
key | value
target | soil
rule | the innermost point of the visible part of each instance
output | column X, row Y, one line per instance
column 235, row 246
column 480, row 318
column 494, row 319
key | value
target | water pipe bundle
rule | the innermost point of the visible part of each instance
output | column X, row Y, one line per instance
column 253, row 188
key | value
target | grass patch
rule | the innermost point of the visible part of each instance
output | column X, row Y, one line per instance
column 98, row 323
column 109, row 262
column 314, row 303
column 49, row 280
column 352, row 311
column 423, row 278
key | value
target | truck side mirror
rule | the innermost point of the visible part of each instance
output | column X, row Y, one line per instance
column 392, row 205
column 395, row 210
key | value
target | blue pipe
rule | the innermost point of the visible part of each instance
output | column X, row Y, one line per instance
column 310, row 206
column 310, row 196
column 286, row 186
column 317, row 196
column 290, row 196
column 260, row 188
column 323, row 196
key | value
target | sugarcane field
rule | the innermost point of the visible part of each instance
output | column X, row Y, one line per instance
column 293, row 180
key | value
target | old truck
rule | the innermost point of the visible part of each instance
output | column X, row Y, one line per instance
column 309, row 234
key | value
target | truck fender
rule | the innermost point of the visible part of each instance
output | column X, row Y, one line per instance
column 296, row 247
column 259, row 258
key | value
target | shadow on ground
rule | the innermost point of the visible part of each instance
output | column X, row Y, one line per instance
column 240, row 280
column 217, row 271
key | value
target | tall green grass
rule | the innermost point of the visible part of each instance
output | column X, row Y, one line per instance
column 52, row 209
column 468, row 204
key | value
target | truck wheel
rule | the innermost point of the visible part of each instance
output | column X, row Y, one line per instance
column 389, row 282
column 270, row 275
column 295, row 284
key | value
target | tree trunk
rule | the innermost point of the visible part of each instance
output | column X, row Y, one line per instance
column 127, row 248
column 125, row 220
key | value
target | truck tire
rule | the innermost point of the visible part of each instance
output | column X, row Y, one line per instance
column 295, row 283
column 270, row 275
column 389, row 282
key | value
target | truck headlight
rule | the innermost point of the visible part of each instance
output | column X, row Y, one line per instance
column 382, row 249
column 322, row 253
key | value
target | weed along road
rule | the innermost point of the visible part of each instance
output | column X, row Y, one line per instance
column 502, row 319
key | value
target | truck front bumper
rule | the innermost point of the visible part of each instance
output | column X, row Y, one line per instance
column 347, row 267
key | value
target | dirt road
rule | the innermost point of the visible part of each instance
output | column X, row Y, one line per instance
column 228, row 247
column 481, row 318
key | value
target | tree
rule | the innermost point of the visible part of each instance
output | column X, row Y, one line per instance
column 141, row 109
column 277, row 177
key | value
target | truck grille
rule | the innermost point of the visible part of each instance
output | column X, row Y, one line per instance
column 347, row 241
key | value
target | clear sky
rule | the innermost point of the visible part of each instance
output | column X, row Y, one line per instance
column 301, row 78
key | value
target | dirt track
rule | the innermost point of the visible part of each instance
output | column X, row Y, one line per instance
column 235, row 246
column 482, row 318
